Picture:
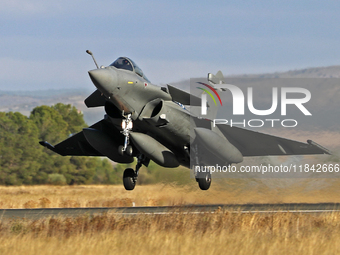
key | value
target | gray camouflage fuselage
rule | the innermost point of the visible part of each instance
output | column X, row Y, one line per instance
column 152, row 109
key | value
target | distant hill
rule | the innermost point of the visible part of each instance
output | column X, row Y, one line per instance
column 312, row 72
column 25, row 101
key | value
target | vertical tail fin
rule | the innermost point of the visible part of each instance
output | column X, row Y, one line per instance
column 209, row 97
column 218, row 78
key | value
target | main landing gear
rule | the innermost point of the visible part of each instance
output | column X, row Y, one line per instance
column 130, row 176
column 202, row 177
column 204, row 180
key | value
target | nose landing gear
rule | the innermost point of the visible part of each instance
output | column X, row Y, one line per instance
column 126, row 126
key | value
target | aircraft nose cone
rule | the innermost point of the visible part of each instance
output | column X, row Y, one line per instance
column 103, row 79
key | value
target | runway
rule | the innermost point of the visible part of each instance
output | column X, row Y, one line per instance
column 40, row 213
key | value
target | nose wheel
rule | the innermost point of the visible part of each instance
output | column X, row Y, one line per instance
column 127, row 127
column 128, row 150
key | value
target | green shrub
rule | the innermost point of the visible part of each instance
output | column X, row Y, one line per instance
column 56, row 179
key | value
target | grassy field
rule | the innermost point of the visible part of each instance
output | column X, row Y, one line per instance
column 220, row 233
column 222, row 191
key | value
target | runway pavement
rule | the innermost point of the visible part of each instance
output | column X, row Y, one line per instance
column 156, row 210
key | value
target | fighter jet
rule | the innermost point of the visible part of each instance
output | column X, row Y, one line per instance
column 150, row 122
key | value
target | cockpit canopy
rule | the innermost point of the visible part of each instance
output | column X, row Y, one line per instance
column 128, row 64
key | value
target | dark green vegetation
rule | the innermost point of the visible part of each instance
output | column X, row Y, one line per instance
column 24, row 161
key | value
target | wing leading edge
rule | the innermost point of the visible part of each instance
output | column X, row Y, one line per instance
column 76, row 145
column 101, row 139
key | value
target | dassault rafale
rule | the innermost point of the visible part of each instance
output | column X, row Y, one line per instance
column 149, row 122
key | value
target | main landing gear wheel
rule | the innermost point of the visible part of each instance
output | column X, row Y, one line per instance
column 204, row 181
column 129, row 179
column 130, row 176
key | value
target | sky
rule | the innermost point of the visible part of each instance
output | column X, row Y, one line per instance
column 43, row 43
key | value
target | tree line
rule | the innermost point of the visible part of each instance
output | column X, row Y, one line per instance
column 23, row 161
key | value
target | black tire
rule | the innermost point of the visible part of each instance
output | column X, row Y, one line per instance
column 129, row 150
column 204, row 182
column 129, row 180
column 121, row 150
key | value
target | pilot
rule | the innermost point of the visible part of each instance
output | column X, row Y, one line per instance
column 126, row 64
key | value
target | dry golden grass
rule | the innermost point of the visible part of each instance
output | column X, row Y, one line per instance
column 222, row 191
column 219, row 233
